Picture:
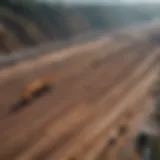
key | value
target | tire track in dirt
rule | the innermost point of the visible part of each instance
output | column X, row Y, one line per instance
column 42, row 158
column 28, row 114
column 68, row 157
column 101, row 148
column 102, row 132
column 138, row 112
column 62, row 75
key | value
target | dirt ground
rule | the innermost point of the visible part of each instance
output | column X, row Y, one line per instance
column 95, row 85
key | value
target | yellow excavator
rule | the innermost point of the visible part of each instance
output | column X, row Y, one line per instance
column 34, row 90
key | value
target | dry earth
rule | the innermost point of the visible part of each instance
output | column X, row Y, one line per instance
column 96, row 85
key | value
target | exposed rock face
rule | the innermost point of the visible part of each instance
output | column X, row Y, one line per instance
column 28, row 23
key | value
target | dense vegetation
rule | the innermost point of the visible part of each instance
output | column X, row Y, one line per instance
column 27, row 23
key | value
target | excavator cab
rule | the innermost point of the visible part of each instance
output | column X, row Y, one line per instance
column 35, row 89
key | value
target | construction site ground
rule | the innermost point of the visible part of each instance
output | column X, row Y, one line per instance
column 97, row 87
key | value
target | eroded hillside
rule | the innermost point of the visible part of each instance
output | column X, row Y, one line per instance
column 28, row 23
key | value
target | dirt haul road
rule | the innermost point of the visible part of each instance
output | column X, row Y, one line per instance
column 94, row 85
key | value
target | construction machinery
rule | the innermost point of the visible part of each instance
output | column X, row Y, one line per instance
column 33, row 90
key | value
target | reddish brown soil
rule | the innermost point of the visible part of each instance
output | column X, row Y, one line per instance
column 91, row 84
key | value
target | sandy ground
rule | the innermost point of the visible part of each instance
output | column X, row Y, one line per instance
column 95, row 84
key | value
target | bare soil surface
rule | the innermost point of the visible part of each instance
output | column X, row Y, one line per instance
column 95, row 85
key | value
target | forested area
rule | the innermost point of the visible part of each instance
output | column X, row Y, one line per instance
column 28, row 23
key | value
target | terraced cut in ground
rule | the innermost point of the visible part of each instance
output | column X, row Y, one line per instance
column 94, row 90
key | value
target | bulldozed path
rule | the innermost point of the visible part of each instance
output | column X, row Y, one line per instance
column 93, row 90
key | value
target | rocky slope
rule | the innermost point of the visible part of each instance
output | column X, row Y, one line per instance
column 28, row 24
